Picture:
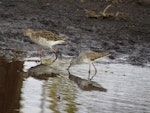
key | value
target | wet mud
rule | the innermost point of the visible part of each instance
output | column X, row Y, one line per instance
column 128, row 36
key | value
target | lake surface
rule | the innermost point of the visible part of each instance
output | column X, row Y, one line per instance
column 128, row 90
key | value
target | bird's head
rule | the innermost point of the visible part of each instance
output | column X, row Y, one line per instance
column 28, row 32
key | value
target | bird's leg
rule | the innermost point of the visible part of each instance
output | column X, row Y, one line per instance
column 41, row 54
column 95, row 71
column 89, row 71
column 68, row 71
column 54, row 51
column 70, row 65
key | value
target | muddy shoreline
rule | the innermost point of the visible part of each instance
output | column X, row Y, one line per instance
column 129, row 36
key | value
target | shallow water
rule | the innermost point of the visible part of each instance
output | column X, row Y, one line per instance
column 128, row 90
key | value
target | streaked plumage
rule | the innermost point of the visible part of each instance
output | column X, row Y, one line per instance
column 45, row 38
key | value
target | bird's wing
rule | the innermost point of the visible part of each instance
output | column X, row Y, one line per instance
column 95, row 55
column 48, row 35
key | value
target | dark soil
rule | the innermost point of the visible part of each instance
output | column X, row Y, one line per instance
column 128, row 35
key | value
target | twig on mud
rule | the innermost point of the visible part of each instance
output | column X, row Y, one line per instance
column 120, row 15
column 115, row 1
column 91, row 14
column 103, row 14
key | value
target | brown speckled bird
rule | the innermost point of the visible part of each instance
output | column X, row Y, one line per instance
column 45, row 38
